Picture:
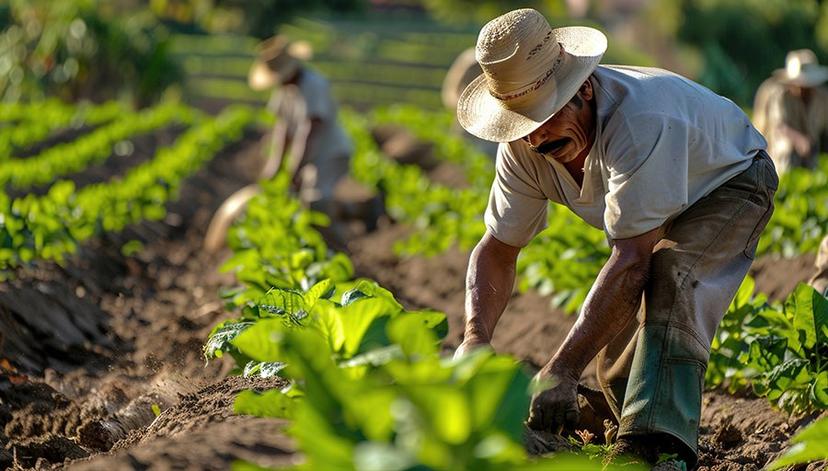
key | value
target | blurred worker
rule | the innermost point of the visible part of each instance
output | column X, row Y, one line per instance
column 307, row 134
column 307, row 140
column 463, row 70
column 791, row 110
column 674, row 174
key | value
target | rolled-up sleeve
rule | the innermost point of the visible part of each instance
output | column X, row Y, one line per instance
column 517, row 208
column 648, row 174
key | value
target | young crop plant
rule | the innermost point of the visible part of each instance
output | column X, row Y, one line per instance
column 53, row 225
column 23, row 125
column 780, row 351
column 800, row 219
column 809, row 445
column 91, row 148
column 368, row 389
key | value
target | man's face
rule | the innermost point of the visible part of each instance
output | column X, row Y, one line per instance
column 570, row 132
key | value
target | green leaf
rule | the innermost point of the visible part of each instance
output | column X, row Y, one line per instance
column 412, row 333
column 811, row 444
column 359, row 319
column 326, row 319
column 262, row 341
column 819, row 390
column 263, row 369
column 322, row 290
column 810, row 315
column 220, row 339
column 445, row 410
column 271, row 403
column 744, row 294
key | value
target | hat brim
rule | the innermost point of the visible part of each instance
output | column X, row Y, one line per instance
column 809, row 78
column 261, row 77
column 489, row 118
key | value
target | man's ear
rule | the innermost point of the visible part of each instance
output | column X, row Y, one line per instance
column 586, row 91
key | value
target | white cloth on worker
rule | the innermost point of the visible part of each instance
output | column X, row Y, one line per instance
column 310, row 99
column 662, row 142
column 774, row 107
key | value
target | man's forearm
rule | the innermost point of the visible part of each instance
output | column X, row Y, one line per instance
column 489, row 283
column 611, row 304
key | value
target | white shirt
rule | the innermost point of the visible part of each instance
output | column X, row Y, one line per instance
column 662, row 142
column 310, row 98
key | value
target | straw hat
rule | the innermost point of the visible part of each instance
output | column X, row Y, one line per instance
column 278, row 61
column 463, row 70
column 530, row 71
column 802, row 69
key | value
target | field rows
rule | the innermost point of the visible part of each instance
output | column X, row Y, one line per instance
column 369, row 383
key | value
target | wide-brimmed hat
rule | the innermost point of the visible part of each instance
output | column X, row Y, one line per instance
column 463, row 70
column 530, row 71
column 278, row 60
column 802, row 69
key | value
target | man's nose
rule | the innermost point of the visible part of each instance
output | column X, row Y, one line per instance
column 536, row 137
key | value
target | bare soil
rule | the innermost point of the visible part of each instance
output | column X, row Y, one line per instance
column 87, row 351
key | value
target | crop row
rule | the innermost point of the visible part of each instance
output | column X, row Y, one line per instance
column 90, row 148
column 368, row 389
column 51, row 226
column 25, row 124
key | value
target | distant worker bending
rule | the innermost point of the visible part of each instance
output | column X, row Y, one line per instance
column 791, row 111
column 306, row 133
column 307, row 140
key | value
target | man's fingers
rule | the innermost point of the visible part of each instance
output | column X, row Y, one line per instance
column 536, row 421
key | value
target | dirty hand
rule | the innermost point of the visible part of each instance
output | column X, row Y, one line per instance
column 556, row 407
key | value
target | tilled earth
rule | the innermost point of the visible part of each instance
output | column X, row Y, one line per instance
column 91, row 352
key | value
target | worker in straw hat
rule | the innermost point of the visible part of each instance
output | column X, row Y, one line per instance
column 791, row 110
column 307, row 140
column 677, row 178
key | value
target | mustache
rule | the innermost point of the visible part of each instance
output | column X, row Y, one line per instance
column 551, row 146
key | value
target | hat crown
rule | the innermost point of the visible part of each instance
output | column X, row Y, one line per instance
column 515, row 51
column 799, row 61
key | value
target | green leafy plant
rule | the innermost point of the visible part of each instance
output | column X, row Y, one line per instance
column 28, row 123
column 800, row 219
column 94, row 147
column 777, row 350
column 809, row 445
column 368, row 389
column 51, row 226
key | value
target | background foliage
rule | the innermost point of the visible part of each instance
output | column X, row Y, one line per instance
column 77, row 49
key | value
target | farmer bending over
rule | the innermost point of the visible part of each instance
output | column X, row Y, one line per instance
column 307, row 140
column 674, row 174
column 307, row 132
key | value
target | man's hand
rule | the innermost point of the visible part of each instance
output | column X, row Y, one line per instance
column 799, row 141
column 470, row 345
column 556, row 407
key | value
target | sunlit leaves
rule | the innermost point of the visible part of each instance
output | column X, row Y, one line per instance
column 779, row 351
